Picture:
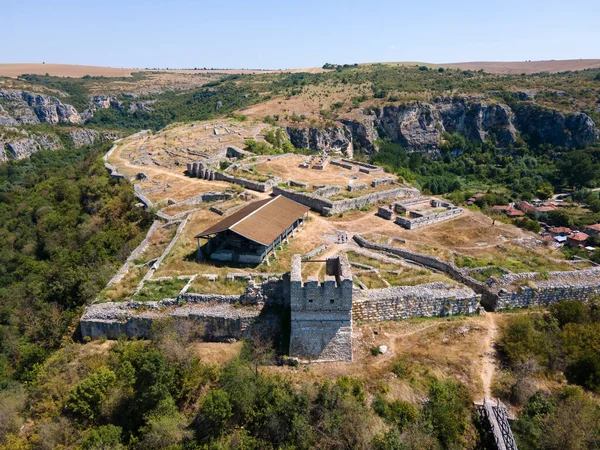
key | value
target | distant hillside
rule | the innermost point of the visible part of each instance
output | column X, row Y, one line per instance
column 528, row 67
column 77, row 71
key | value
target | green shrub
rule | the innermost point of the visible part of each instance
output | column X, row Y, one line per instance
column 87, row 396
column 568, row 312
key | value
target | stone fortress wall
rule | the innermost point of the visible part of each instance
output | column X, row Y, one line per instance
column 511, row 290
column 405, row 302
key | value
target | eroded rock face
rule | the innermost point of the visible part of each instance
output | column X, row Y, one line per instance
column 83, row 136
column 21, row 148
column 334, row 139
column 6, row 119
column 30, row 108
column 550, row 126
column 419, row 126
column 415, row 127
column 18, row 144
column 364, row 132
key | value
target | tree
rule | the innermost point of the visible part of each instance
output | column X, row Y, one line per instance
column 214, row 413
column 561, row 218
column 577, row 168
column 545, row 191
column 87, row 396
column 107, row 437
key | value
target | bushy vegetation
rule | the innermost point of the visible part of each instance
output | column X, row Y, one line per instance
column 158, row 394
column 65, row 225
column 566, row 340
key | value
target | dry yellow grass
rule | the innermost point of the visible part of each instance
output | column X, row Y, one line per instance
column 436, row 347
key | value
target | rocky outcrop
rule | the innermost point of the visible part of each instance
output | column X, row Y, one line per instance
column 334, row 139
column 47, row 109
column 363, row 132
column 18, row 144
column 84, row 136
column 47, row 141
column 419, row 126
column 21, row 148
column 550, row 126
column 6, row 119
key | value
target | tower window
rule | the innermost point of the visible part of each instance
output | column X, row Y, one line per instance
column 332, row 301
column 310, row 300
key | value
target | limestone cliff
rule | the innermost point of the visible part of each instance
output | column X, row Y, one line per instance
column 30, row 108
column 19, row 144
column 333, row 139
column 419, row 126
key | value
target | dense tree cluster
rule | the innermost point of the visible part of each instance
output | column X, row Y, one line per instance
column 64, row 226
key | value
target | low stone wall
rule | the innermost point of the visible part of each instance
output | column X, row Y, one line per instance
column 326, row 206
column 134, row 254
column 381, row 181
column 385, row 212
column 417, row 222
column 326, row 190
column 139, row 193
column 357, row 187
column 405, row 302
column 363, row 167
column 340, row 163
column 248, row 184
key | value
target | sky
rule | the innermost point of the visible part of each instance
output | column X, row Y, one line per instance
column 294, row 34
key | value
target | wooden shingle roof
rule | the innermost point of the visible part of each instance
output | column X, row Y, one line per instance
column 262, row 221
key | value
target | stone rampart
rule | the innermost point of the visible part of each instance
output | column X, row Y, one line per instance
column 512, row 290
column 405, row 302
column 135, row 254
column 139, row 193
column 135, row 319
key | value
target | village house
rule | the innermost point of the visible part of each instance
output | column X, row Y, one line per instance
column 577, row 239
column 559, row 231
column 508, row 210
column 593, row 230
column 537, row 210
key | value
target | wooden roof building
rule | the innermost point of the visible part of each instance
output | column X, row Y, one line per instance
column 248, row 235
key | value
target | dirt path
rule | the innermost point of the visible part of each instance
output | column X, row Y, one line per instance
column 488, row 363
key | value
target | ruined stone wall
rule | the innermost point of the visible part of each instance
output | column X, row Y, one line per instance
column 248, row 184
column 431, row 262
column 327, row 191
column 340, row 206
column 326, row 206
column 139, row 193
column 540, row 290
column 546, row 295
column 405, row 302
column 417, row 222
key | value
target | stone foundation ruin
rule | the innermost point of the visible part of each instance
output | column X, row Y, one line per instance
column 419, row 212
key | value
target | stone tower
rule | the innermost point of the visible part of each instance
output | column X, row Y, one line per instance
column 321, row 313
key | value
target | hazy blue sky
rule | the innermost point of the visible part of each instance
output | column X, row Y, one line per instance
column 283, row 34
